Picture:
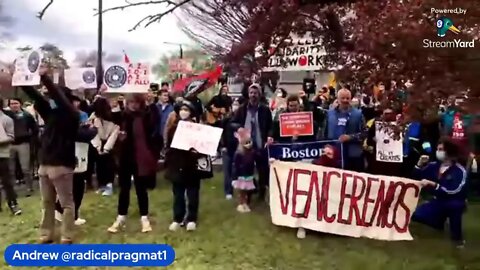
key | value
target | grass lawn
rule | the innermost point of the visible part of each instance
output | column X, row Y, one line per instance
column 228, row 240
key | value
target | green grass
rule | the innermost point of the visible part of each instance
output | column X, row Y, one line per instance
column 228, row 240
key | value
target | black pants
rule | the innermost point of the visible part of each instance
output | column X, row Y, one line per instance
column 105, row 169
column 7, row 181
column 92, row 158
column 192, row 190
column 78, row 191
column 262, row 165
column 125, row 182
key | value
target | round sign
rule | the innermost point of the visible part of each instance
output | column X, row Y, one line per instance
column 33, row 61
column 88, row 76
column 115, row 77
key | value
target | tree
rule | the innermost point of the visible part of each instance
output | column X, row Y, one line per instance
column 53, row 56
column 89, row 59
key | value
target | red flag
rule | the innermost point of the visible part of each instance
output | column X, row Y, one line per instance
column 125, row 58
column 212, row 77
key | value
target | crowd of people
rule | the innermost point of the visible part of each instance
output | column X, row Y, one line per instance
column 127, row 136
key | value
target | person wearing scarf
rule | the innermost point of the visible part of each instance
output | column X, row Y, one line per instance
column 140, row 149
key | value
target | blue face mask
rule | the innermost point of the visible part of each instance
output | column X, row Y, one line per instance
column 53, row 105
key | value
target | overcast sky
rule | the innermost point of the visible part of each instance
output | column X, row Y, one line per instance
column 71, row 26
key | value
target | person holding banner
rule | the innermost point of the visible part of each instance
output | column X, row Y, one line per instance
column 447, row 179
column 57, row 156
column 257, row 118
column 140, row 150
column 346, row 124
column 181, row 170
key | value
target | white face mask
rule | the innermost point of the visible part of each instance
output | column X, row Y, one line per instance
column 184, row 114
column 440, row 155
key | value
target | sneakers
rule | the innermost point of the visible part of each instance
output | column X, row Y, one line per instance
column 108, row 190
column 228, row 197
column 117, row 225
column 301, row 233
column 174, row 226
column 240, row 208
column 16, row 210
column 45, row 240
column 58, row 216
column 146, row 227
column 191, row 226
column 80, row 221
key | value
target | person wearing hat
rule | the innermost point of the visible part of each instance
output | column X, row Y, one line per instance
column 57, row 155
column 181, row 168
column 257, row 117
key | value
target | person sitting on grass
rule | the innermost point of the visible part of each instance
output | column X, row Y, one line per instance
column 446, row 179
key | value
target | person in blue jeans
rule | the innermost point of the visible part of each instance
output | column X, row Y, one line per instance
column 446, row 179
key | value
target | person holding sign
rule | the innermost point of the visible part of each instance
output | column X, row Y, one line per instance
column 181, row 170
column 447, row 180
column 57, row 155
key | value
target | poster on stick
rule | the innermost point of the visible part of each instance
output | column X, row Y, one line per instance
column 127, row 78
column 27, row 67
column 76, row 78
column 296, row 124
column 342, row 202
column 388, row 148
column 202, row 138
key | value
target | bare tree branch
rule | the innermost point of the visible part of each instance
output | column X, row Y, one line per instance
column 42, row 12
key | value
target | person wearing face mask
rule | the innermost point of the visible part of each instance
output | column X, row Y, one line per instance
column 446, row 178
column 181, row 170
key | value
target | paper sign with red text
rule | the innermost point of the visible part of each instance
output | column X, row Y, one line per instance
column 296, row 124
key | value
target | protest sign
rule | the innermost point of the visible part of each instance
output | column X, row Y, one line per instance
column 204, row 139
column 27, row 67
column 300, row 151
column 127, row 78
column 76, row 78
column 296, row 124
column 342, row 202
column 300, row 53
column 81, row 155
column 388, row 149
column 180, row 65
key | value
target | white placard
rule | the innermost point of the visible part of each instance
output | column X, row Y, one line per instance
column 81, row 154
column 203, row 138
column 387, row 148
column 76, row 78
column 27, row 67
column 127, row 78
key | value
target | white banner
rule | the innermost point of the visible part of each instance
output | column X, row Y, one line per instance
column 27, row 67
column 203, row 138
column 76, row 78
column 342, row 202
column 127, row 78
column 388, row 149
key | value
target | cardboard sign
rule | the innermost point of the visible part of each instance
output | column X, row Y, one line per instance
column 27, row 67
column 202, row 138
column 388, row 149
column 81, row 155
column 296, row 124
column 301, row 54
column 76, row 78
column 127, row 78
column 342, row 202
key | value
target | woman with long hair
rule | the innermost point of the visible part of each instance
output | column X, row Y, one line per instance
column 139, row 152
column 107, row 133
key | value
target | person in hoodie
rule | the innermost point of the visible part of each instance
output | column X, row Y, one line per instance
column 6, row 176
column 104, row 141
column 139, row 152
column 26, row 131
column 181, row 170
column 57, row 156
column 447, row 180
column 85, row 134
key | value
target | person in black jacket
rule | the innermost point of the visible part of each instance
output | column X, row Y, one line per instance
column 56, row 156
column 257, row 118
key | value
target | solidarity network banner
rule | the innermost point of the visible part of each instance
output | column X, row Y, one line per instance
column 342, row 202
column 300, row 151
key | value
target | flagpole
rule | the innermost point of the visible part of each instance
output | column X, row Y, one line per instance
column 100, row 46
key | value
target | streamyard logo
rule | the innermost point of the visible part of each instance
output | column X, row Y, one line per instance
column 445, row 26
